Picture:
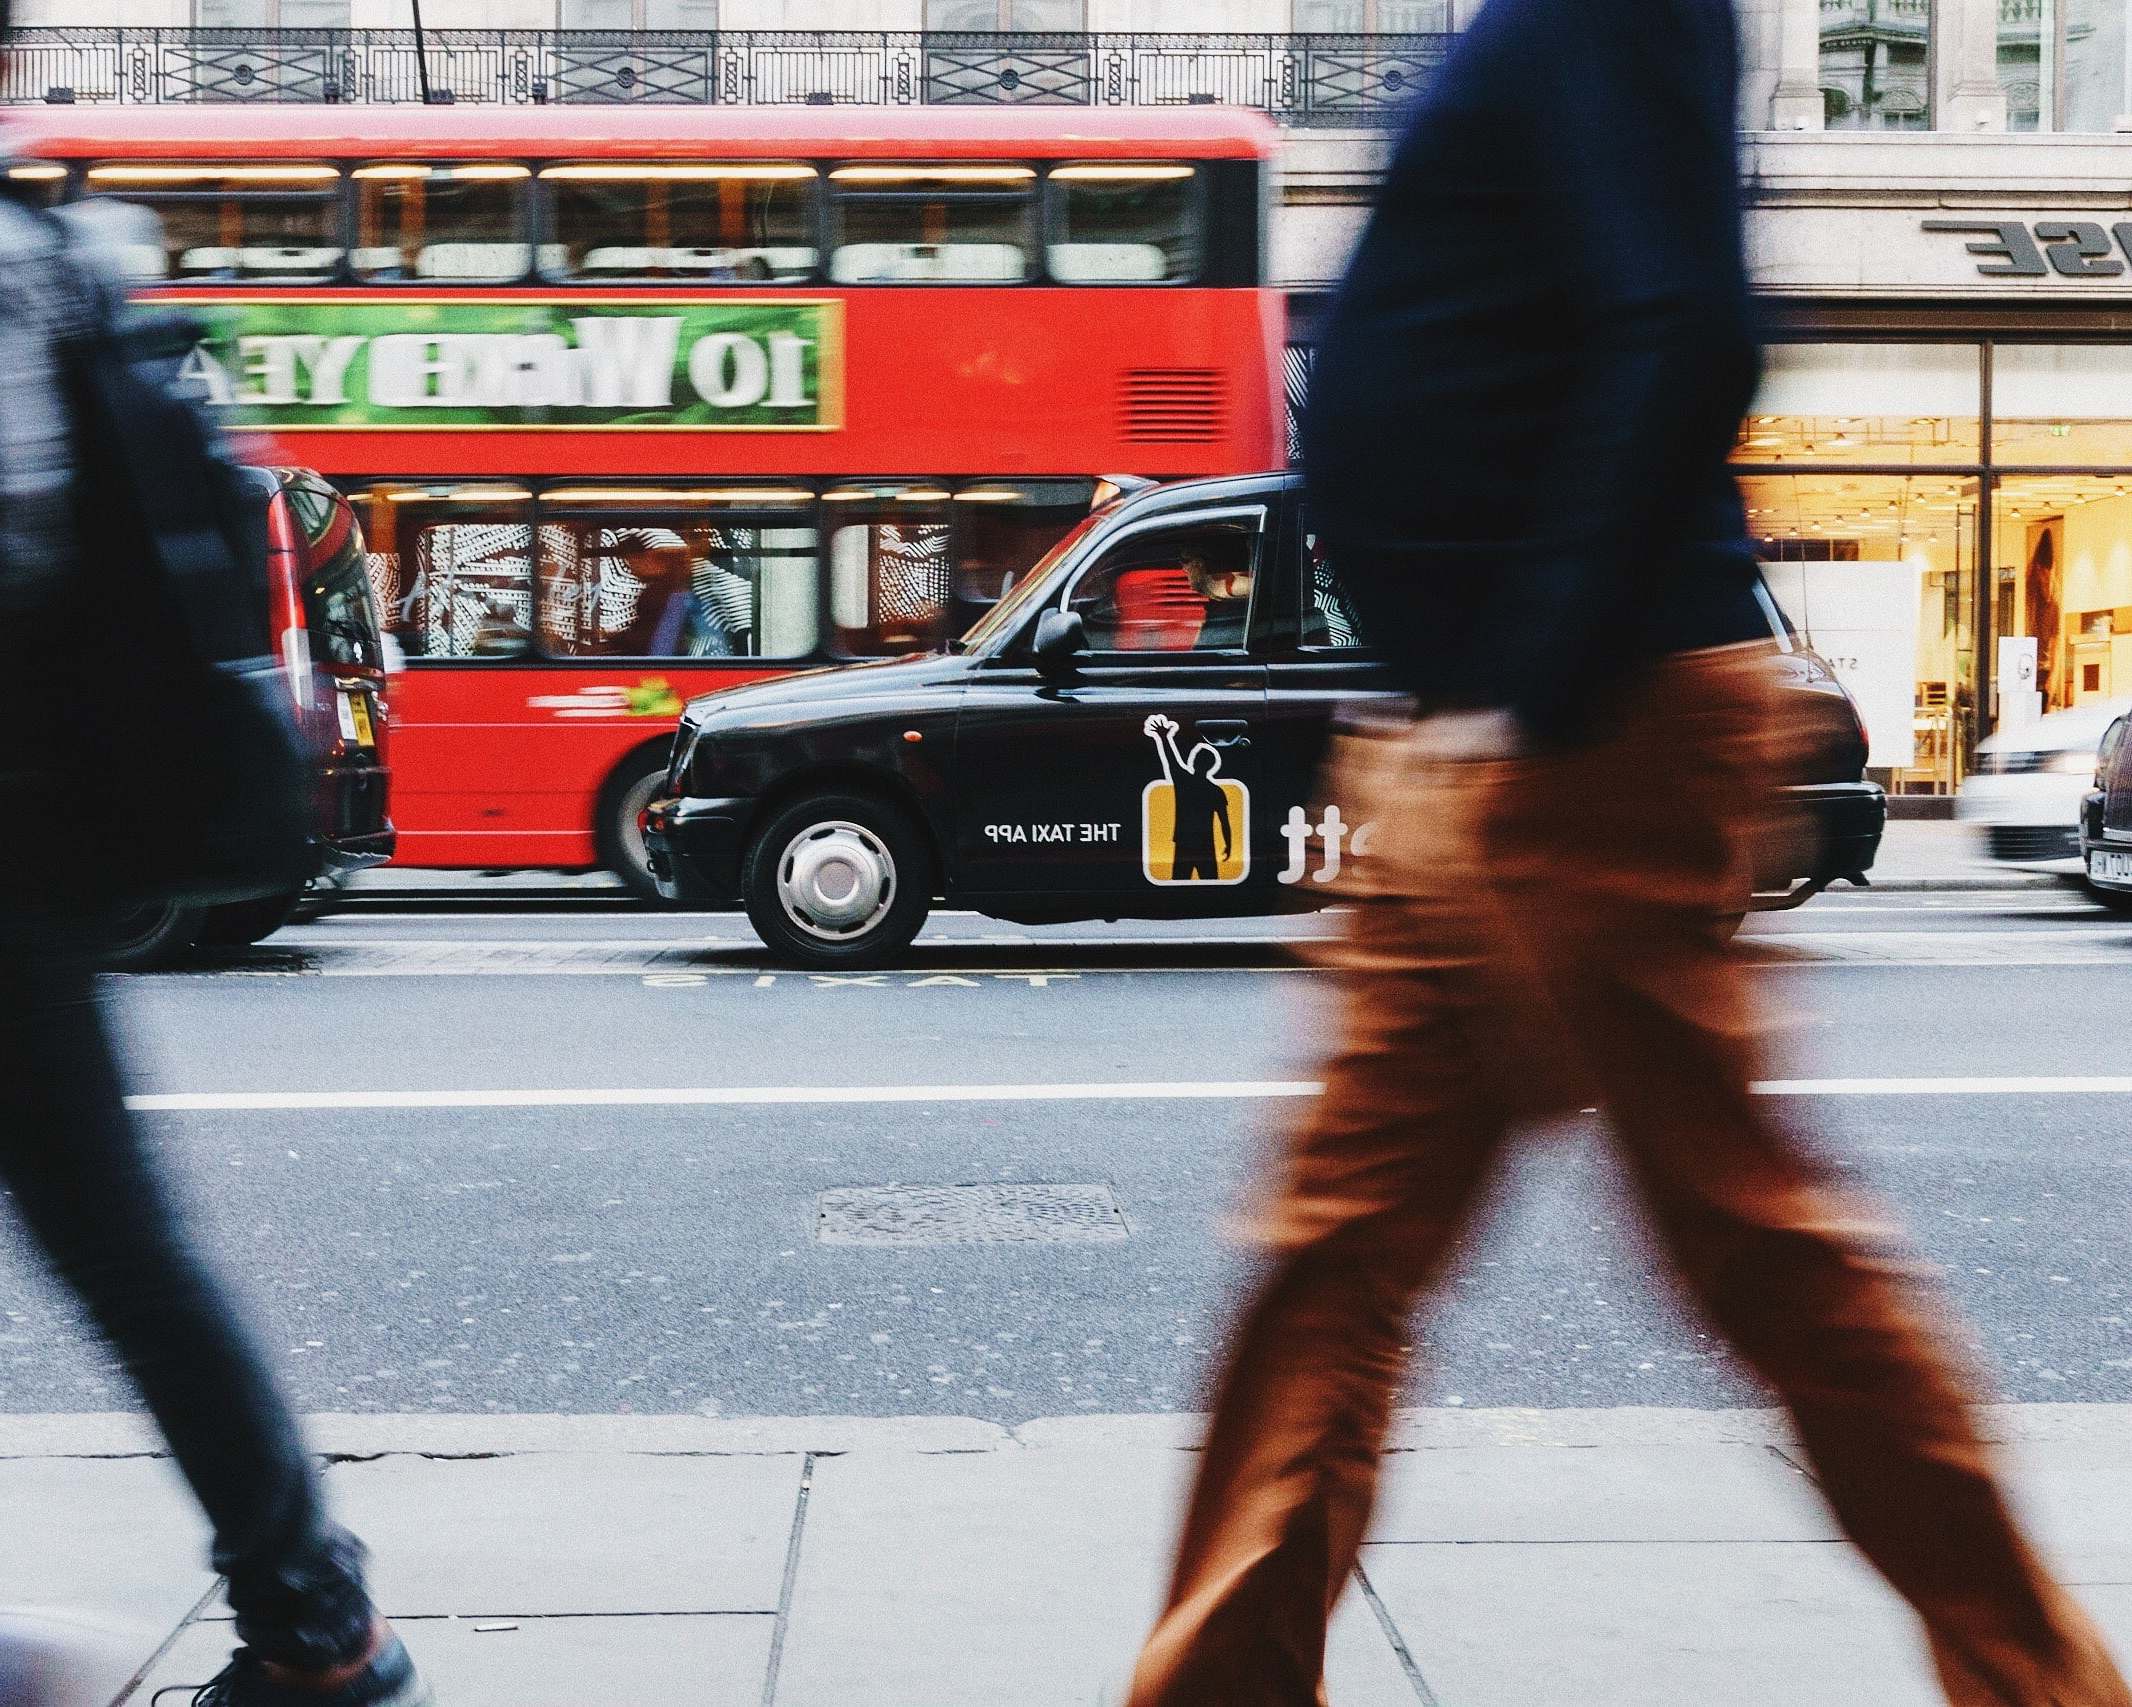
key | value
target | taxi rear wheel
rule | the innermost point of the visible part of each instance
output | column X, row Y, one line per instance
column 144, row 937
column 837, row 880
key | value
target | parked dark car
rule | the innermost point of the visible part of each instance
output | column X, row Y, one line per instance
column 321, row 620
column 2106, row 821
column 1133, row 731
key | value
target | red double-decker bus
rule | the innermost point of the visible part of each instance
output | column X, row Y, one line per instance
column 640, row 402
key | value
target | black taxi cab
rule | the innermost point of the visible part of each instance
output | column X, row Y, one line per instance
column 1133, row 731
column 2106, row 821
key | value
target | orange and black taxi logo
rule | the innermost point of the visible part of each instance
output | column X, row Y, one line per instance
column 1195, row 823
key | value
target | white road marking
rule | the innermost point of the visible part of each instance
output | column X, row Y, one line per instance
column 1149, row 1090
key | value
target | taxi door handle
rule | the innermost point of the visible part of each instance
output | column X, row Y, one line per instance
column 1224, row 733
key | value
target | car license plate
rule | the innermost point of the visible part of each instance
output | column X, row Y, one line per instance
column 355, row 719
column 2110, row 867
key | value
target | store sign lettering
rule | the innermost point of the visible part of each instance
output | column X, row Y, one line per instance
column 750, row 366
column 2021, row 249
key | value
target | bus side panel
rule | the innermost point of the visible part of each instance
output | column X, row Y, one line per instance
column 1171, row 382
column 502, row 765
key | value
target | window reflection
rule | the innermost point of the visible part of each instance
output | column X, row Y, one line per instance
column 1865, row 403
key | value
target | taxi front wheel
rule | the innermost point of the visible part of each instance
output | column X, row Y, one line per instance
column 837, row 880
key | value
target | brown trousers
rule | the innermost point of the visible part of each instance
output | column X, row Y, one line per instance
column 1527, row 932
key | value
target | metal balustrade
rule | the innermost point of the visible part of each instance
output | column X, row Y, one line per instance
column 1324, row 80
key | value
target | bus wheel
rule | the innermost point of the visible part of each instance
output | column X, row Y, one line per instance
column 620, row 830
column 837, row 880
column 145, row 937
column 239, row 924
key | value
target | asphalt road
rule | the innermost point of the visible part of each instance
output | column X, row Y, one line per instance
column 405, row 1140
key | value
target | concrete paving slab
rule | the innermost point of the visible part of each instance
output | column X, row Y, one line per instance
column 1619, row 1493
column 707, row 1661
column 572, row 1533
column 972, row 1581
column 110, row 1539
column 2078, row 1497
column 1652, row 1625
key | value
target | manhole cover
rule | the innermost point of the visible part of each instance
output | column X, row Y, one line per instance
column 970, row 1215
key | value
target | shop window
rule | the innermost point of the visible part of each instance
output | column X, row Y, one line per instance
column 1865, row 403
column 2061, row 564
column 230, row 220
column 891, row 576
column 273, row 14
column 462, row 224
column 2057, row 404
column 714, row 573
column 1878, row 575
column 1876, row 64
column 452, row 567
column 897, row 223
column 990, row 15
column 1120, row 223
column 682, row 220
column 1183, row 589
column 639, row 14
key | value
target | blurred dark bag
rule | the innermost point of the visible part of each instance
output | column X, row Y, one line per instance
column 178, row 770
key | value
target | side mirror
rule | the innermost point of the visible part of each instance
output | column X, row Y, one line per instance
column 1061, row 636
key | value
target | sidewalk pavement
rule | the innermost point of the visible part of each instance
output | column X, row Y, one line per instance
column 1521, row 1558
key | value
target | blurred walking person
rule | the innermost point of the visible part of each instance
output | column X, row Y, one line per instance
column 1516, row 444
column 79, row 1177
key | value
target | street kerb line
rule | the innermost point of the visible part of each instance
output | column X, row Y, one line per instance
column 1151, row 1090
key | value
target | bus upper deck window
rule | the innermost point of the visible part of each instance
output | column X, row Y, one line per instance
column 452, row 566
column 681, row 220
column 229, row 220
column 911, row 223
column 1122, row 223
column 458, row 224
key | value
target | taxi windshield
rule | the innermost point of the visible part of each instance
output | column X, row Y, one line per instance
column 1027, row 591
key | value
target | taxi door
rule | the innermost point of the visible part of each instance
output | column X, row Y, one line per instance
column 1129, row 776
column 1318, row 670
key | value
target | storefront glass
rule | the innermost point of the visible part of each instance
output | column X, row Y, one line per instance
column 1878, row 573
column 2062, row 64
column 1872, row 474
column 1871, row 404
column 1876, row 64
column 2061, row 592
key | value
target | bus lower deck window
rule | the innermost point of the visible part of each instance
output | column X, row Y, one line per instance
column 452, row 567
column 463, row 223
column 230, row 220
column 751, row 222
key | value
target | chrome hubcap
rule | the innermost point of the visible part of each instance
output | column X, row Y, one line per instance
column 836, row 881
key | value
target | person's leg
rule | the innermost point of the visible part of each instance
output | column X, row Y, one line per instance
column 88, row 1196
column 1790, row 1267
column 1373, row 1187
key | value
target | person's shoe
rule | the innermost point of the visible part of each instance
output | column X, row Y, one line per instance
column 387, row 1679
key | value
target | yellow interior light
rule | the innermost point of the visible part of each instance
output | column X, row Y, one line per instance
column 663, row 495
column 1123, row 174
column 38, row 170
column 933, row 174
column 213, row 174
column 601, row 173
column 990, row 495
column 458, row 495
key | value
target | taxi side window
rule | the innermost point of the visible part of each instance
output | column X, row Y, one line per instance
column 1328, row 618
column 1185, row 589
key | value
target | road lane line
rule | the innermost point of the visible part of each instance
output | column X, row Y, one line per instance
column 1150, row 1090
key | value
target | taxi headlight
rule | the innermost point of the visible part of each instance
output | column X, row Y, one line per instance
column 682, row 758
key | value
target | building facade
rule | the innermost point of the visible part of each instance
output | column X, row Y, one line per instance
column 1940, row 467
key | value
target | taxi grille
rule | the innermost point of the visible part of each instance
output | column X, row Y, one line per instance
column 1172, row 406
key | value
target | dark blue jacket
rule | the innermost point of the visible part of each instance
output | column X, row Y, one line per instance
column 1536, row 365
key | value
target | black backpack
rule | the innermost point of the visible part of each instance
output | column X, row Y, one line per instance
column 161, row 741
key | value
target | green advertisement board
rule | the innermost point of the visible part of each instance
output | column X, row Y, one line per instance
column 750, row 366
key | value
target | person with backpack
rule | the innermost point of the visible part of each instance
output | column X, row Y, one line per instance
column 117, row 567
column 1515, row 447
